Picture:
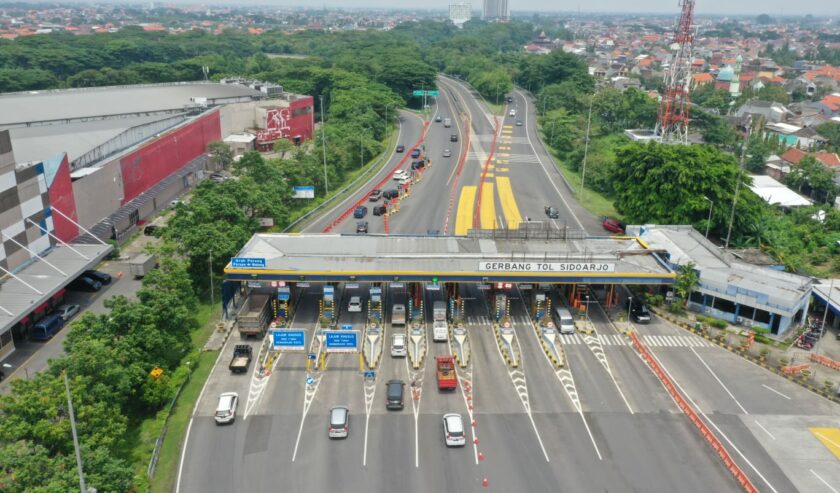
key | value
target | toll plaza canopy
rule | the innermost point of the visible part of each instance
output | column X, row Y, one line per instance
column 375, row 258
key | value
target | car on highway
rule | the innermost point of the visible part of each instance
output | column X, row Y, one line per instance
column 362, row 227
column 415, row 153
column 447, row 153
column 97, row 275
column 552, row 212
column 375, row 195
column 453, row 138
column 398, row 346
column 453, row 430
column 438, row 118
column 518, row 123
column 67, row 311
column 339, row 422
column 512, row 113
column 639, row 313
column 418, row 164
column 379, row 210
column 612, row 225
column 226, row 408
column 391, row 193
column 355, row 304
column 360, row 212
column 394, row 391
column 400, row 148
column 510, row 99
column 401, row 174
column 83, row 283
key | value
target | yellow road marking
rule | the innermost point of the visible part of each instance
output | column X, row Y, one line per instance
column 830, row 437
column 504, row 161
column 488, row 175
column 509, row 207
column 502, row 170
column 488, row 207
column 464, row 217
column 503, row 155
column 508, row 126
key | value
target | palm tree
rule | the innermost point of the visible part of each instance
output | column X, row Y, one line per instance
column 686, row 282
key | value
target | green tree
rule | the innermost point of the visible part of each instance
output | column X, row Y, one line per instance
column 814, row 178
column 282, row 146
column 686, row 282
column 222, row 154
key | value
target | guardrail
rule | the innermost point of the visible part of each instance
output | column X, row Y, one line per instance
column 689, row 411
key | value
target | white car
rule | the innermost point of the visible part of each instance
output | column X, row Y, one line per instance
column 453, row 430
column 401, row 174
column 355, row 304
column 398, row 346
column 226, row 409
column 67, row 311
column 512, row 113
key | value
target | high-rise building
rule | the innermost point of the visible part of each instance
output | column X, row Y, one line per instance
column 460, row 12
column 496, row 10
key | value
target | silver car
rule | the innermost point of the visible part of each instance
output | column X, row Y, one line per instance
column 447, row 153
column 339, row 422
column 67, row 311
column 226, row 409
column 453, row 430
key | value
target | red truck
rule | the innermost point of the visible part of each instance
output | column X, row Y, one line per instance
column 446, row 377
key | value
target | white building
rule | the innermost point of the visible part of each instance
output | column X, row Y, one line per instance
column 460, row 12
column 495, row 10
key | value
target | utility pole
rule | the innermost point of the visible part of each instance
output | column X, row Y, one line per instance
column 586, row 149
column 709, row 221
column 82, row 487
column 212, row 290
column 324, row 145
column 361, row 152
column 738, row 183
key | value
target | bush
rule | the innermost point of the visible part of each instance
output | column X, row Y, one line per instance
column 718, row 323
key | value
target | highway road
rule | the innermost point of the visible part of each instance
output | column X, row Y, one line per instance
column 603, row 422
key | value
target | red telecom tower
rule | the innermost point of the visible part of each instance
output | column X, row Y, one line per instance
column 672, row 121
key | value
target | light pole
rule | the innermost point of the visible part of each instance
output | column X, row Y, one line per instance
column 497, row 94
column 629, row 307
column 82, row 487
column 709, row 221
column 587, row 312
column 585, row 149
column 210, row 271
column 361, row 149
column 324, row 145
column 738, row 183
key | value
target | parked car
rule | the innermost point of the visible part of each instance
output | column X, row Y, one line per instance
column 47, row 327
column 98, row 275
column 453, row 430
column 83, row 283
column 612, row 225
column 379, row 210
column 391, row 193
column 400, row 148
column 447, row 153
column 394, row 390
column 453, row 138
column 360, row 212
column 415, row 153
column 339, row 422
column 151, row 230
column 67, row 311
column 552, row 212
column 226, row 408
column 218, row 177
column 362, row 227
column 375, row 195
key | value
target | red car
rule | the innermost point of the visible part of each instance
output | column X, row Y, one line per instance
column 613, row 225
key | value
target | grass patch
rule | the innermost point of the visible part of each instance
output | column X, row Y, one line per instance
column 170, row 452
column 596, row 203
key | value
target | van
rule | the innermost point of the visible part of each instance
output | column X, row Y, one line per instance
column 47, row 327
column 447, row 122
column 398, row 346
column 564, row 321
column 339, row 422
column 394, row 394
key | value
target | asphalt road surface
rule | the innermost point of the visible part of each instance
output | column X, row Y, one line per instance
column 603, row 422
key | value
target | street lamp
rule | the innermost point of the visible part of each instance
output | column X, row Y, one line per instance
column 629, row 306
column 709, row 222
column 587, row 311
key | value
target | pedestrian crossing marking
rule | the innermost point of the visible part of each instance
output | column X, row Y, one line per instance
column 648, row 340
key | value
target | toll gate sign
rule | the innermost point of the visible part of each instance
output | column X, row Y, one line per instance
column 342, row 341
column 540, row 267
column 288, row 340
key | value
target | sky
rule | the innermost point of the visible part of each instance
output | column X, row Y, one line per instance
column 739, row 7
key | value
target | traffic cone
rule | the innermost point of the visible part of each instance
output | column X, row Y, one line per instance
column 485, row 483
column 480, row 456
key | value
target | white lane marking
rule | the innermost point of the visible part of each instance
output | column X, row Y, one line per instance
column 776, row 391
column 542, row 165
column 309, row 393
column 712, row 423
column 192, row 416
column 416, row 385
column 823, row 481
column 765, row 429
column 719, row 381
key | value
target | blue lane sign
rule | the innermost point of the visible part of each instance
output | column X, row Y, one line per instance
column 342, row 341
column 347, row 327
column 370, row 375
column 351, row 286
column 310, row 380
column 289, row 340
column 247, row 263
column 311, row 355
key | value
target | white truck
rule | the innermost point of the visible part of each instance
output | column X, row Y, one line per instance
column 440, row 329
column 447, row 122
column 398, row 316
column 140, row 265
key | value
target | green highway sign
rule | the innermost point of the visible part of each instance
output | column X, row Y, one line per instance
column 420, row 92
column 433, row 93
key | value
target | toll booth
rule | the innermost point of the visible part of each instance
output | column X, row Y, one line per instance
column 375, row 305
column 282, row 305
column 501, row 305
column 328, row 305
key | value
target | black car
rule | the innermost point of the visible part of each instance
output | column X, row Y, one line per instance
column 640, row 313
column 83, row 283
column 379, row 210
column 391, row 193
column 453, row 138
column 438, row 118
column 360, row 212
column 400, row 148
column 375, row 195
column 98, row 276
column 415, row 153
column 362, row 227
column 394, row 394
column 418, row 164
column 151, row 230
column 510, row 99
column 552, row 212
